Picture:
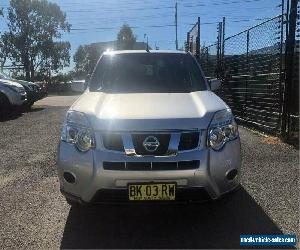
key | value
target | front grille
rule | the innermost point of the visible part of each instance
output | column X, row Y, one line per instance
column 150, row 166
column 36, row 88
column 113, row 142
column 182, row 195
column 188, row 141
column 162, row 149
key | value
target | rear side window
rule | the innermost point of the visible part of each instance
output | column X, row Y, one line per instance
column 147, row 72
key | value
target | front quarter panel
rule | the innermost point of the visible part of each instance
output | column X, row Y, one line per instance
column 221, row 162
column 78, row 163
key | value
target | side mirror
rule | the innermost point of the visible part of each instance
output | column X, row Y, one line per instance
column 214, row 84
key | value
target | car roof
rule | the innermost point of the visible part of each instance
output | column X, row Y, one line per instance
column 116, row 52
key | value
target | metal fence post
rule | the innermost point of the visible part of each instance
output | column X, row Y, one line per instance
column 290, row 47
column 207, row 60
column 219, row 41
column 281, row 73
column 248, row 69
column 198, row 40
column 223, row 37
column 188, row 41
column 221, row 91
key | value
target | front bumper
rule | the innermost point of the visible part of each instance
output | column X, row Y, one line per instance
column 91, row 178
column 17, row 99
column 33, row 96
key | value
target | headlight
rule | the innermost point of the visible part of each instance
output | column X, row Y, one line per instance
column 77, row 130
column 222, row 128
column 84, row 140
column 216, row 138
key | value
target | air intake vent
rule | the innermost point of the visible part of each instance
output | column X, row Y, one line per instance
column 151, row 166
column 108, row 165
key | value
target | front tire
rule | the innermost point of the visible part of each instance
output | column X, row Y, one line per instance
column 72, row 202
column 27, row 106
column 76, row 204
column 5, row 106
column 30, row 104
column 231, row 194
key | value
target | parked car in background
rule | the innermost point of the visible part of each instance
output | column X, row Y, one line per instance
column 11, row 94
column 43, row 89
column 78, row 85
column 33, row 91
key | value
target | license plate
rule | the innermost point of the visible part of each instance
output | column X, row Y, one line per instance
column 151, row 191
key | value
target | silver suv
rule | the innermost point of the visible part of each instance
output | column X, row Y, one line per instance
column 148, row 128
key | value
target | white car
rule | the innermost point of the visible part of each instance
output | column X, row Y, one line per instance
column 78, row 85
column 11, row 94
column 148, row 128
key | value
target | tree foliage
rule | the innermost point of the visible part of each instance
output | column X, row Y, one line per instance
column 125, row 38
column 34, row 28
column 4, row 50
column 85, row 58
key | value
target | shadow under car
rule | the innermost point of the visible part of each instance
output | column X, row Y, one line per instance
column 216, row 224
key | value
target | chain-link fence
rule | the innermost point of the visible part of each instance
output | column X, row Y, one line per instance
column 193, row 39
column 252, row 78
column 293, row 123
column 209, row 60
column 252, row 66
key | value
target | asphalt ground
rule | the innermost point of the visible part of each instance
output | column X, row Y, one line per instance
column 33, row 213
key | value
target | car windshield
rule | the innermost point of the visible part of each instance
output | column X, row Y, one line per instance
column 147, row 72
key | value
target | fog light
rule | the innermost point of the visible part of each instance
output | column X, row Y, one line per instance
column 231, row 174
column 69, row 177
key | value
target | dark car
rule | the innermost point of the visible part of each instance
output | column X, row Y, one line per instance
column 33, row 91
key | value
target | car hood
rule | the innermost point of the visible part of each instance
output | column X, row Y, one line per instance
column 10, row 82
column 22, row 82
column 30, row 85
column 149, row 111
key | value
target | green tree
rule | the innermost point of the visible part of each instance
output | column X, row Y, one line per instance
column 125, row 38
column 4, row 50
column 85, row 58
column 80, row 58
column 34, row 26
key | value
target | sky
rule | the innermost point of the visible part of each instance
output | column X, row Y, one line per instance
column 100, row 20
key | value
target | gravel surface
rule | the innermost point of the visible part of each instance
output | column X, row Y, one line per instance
column 33, row 213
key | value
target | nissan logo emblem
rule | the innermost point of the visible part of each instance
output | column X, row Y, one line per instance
column 151, row 143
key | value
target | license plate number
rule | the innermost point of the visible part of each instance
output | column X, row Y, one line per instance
column 151, row 191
